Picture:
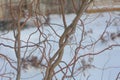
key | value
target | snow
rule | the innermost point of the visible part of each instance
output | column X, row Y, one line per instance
column 105, row 66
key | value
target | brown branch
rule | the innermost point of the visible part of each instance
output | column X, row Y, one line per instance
column 101, row 51
column 6, row 58
column 63, row 13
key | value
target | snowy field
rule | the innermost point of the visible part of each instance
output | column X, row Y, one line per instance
column 105, row 66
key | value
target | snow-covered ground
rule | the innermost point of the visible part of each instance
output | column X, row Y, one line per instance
column 105, row 66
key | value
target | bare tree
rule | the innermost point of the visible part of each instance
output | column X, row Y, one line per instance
column 69, row 30
column 51, row 51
